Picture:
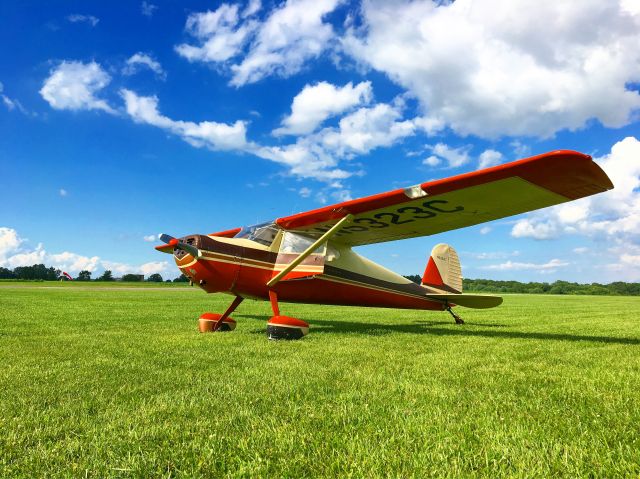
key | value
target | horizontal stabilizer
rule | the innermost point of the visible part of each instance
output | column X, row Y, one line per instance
column 476, row 301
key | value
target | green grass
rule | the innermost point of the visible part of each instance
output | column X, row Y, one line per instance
column 119, row 383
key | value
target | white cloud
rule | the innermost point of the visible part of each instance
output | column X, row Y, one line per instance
column 483, row 67
column 67, row 261
column 454, row 157
column 12, row 103
column 540, row 230
column 493, row 255
column 485, row 230
column 149, row 238
column 304, row 159
column 612, row 217
column 73, row 85
column 367, row 129
column 138, row 60
column 315, row 103
column 120, row 269
column 253, row 7
column 520, row 149
column 62, row 192
column 305, row 192
column 489, row 158
column 14, row 253
column 27, row 258
column 314, row 156
column 148, row 9
column 77, row 18
column 154, row 267
column 549, row 266
column 209, row 134
column 219, row 34
column 292, row 34
column 9, row 243
column 581, row 250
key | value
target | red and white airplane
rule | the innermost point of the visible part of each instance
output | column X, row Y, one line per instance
column 308, row 257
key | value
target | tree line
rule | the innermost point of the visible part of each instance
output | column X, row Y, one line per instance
column 618, row 288
column 40, row 272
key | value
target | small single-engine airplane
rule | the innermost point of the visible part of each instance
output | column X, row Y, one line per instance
column 308, row 257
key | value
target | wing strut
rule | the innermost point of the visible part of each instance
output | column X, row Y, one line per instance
column 320, row 241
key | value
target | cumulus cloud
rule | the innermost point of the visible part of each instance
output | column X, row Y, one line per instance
column 219, row 33
column 15, row 253
column 318, row 155
column 366, row 129
column 67, row 261
column 9, row 243
column 453, row 157
column 73, row 86
column 612, row 217
column 62, row 192
column 314, row 156
column 489, row 158
column 209, row 134
column 142, row 60
column 78, row 18
column 493, row 68
column 315, row 103
column 149, row 238
column 291, row 34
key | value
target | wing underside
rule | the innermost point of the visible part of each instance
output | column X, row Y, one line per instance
column 459, row 201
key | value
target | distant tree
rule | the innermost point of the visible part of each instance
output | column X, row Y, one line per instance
column 106, row 276
column 37, row 271
column 6, row 273
column 133, row 277
column 167, row 281
column 155, row 278
column 181, row 279
column 84, row 275
column 415, row 278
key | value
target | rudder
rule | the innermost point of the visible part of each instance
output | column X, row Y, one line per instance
column 443, row 270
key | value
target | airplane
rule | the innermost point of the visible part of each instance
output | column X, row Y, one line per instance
column 308, row 257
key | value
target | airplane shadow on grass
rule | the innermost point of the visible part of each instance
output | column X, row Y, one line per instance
column 436, row 328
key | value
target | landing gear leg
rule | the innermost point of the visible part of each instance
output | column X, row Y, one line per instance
column 284, row 327
column 212, row 322
column 457, row 318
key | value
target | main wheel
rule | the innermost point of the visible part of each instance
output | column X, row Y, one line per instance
column 284, row 327
column 208, row 321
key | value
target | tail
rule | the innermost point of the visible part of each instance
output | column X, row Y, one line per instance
column 443, row 270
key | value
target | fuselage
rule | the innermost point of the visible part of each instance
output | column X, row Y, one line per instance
column 337, row 275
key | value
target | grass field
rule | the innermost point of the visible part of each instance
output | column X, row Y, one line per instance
column 118, row 383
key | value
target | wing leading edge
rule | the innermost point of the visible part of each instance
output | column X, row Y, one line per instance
column 459, row 201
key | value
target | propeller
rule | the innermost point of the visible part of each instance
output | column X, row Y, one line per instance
column 176, row 243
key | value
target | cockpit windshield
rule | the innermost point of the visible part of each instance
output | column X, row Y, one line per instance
column 263, row 233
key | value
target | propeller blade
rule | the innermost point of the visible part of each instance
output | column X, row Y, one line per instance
column 165, row 238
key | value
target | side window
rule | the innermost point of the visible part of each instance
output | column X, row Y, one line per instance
column 293, row 243
column 265, row 235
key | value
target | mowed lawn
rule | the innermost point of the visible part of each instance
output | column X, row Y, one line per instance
column 118, row 383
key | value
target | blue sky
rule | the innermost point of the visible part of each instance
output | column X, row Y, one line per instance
column 120, row 121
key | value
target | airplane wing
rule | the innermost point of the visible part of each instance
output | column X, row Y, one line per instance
column 464, row 200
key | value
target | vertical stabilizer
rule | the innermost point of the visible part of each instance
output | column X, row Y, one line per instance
column 443, row 270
